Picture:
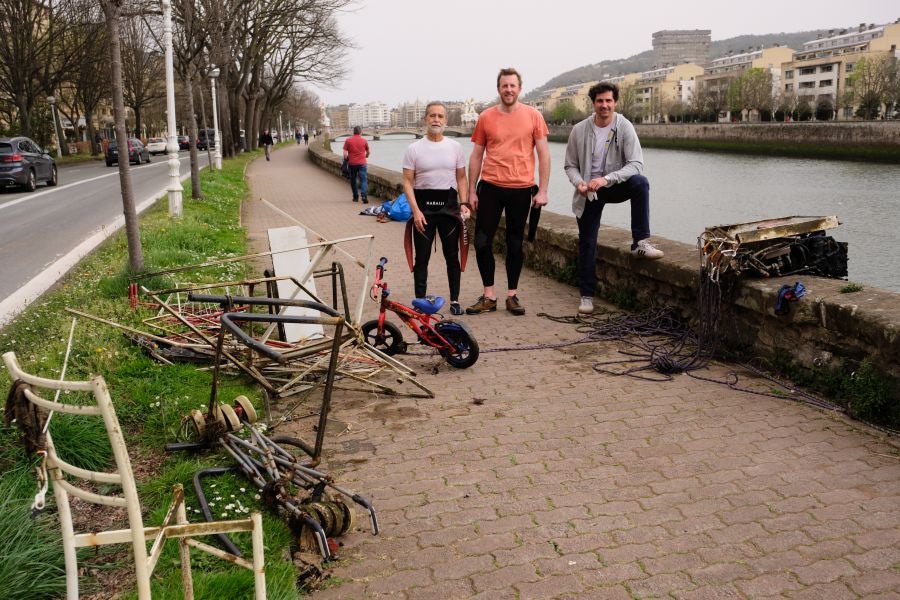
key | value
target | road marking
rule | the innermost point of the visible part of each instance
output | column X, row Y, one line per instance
column 32, row 290
column 63, row 187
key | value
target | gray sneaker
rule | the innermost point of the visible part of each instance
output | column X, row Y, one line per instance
column 587, row 306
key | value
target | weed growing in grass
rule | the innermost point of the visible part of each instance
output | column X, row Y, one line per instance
column 851, row 288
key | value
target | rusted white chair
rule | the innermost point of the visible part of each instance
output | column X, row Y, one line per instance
column 175, row 524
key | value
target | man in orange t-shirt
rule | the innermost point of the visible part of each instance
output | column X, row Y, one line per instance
column 505, row 139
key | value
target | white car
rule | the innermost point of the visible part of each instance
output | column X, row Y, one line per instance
column 156, row 145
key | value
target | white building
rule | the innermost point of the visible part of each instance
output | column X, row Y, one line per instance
column 370, row 114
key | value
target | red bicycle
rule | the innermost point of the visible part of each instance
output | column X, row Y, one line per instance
column 450, row 338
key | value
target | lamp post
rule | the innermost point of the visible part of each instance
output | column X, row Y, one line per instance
column 171, row 139
column 217, row 157
column 52, row 101
column 280, row 128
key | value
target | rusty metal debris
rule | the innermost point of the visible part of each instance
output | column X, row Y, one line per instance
column 773, row 247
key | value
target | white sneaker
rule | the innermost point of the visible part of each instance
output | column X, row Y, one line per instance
column 587, row 306
column 645, row 249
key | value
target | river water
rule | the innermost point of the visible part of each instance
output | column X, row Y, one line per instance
column 690, row 191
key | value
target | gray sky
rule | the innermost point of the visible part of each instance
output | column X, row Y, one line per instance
column 452, row 50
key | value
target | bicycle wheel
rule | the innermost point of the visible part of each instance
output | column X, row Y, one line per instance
column 465, row 352
column 390, row 341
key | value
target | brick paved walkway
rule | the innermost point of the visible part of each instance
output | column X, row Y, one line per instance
column 567, row 483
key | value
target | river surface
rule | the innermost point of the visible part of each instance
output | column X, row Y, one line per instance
column 690, row 191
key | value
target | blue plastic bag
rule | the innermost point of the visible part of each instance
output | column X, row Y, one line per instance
column 399, row 209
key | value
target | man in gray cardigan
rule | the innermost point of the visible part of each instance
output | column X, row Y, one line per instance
column 604, row 162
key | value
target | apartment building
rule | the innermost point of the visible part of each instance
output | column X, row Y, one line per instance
column 370, row 114
column 820, row 73
column 657, row 90
column 339, row 116
column 677, row 46
column 719, row 73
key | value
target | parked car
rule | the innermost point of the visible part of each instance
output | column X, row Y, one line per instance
column 137, row 152
column 156, row 145
column 23, row 163
column 203, row 136
column 184, row 142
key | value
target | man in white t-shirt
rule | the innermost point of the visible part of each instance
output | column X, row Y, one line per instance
column 434, row 180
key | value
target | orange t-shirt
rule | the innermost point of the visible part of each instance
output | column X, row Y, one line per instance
column 508, row 139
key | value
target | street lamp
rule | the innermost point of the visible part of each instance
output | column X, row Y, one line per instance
column 217, row 158
column 280, row 128
column 52, row 101
column 171, row 140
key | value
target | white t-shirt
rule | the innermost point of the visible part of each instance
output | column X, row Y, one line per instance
column 435, row 163
column 602, row 138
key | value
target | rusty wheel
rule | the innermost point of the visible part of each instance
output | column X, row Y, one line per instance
column 231, row 418
column 243, row 406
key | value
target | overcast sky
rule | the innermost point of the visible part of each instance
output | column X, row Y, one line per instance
column 452, row 50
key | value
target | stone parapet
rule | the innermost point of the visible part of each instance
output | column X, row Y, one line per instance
column 822, row 329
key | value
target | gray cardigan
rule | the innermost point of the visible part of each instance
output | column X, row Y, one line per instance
column 624, row 158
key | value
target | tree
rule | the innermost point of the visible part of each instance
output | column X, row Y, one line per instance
column 112, row 10
column 566, row 112
column 756, row 90
column 89, row 83
column 143, row 68
column 627, row 103
column 871, row 80
column 38, row 46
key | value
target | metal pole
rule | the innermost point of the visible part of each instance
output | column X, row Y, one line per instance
column 217, row 158
column 171, row 139
column 280, row 128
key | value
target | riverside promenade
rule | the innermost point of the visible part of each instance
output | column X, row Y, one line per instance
column 531, row 475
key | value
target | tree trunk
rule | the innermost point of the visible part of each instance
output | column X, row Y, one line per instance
column 111, row 9
column 196, row 192
column 89, row 121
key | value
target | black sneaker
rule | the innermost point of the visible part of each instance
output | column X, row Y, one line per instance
column 365, row 200
column 455, row 308
column 356, row 199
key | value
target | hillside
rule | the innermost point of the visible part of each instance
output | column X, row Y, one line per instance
column 644, row 60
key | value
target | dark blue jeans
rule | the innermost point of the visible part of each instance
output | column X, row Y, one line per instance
column 361, row 172
column 636, row 189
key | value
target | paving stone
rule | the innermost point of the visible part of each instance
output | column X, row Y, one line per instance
column 715, row 493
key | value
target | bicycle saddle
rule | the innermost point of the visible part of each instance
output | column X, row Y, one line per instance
column 428, row 305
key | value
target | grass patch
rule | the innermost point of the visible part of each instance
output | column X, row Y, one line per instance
column 150, row 399
column 850, row 288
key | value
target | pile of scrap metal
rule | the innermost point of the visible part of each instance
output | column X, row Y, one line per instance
column 774, row 247
column 187, row 326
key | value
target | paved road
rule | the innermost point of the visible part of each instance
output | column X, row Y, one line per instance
column 37, row 229
column 530, row 475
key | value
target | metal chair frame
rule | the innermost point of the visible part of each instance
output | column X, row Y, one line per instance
column 174, row 526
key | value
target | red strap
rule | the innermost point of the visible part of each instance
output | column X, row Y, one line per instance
column 408, row 243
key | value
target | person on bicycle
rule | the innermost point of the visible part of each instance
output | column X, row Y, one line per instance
column 434, row 181
column 266, row 141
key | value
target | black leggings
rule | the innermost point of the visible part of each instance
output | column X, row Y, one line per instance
column 492, row 200
column 448, row 228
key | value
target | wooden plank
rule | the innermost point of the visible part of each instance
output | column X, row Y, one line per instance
column 294, row 263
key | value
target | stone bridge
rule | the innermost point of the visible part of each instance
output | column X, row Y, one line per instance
column 418, row 132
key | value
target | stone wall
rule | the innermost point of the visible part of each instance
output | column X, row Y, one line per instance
column 822, row 329
column 812, row 132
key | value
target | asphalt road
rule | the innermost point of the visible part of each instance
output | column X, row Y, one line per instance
column 38, row 229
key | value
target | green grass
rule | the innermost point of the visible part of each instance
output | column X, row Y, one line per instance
column 851, row 288
column 150, row 400
column 857, row 152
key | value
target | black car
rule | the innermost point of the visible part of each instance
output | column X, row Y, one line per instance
column 137, row 152
column 23, row 163
column 184, row 142
column 206, row 137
